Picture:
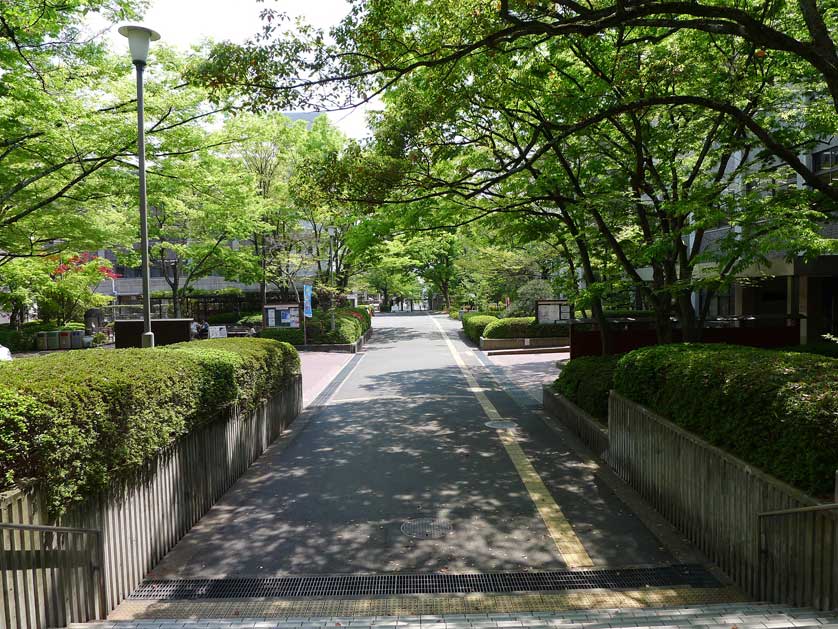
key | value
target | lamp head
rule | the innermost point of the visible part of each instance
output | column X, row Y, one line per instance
column 139, row 38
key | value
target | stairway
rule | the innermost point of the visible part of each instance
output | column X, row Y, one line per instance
column 718, row 616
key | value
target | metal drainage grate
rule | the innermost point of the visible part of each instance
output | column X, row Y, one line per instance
column 396, row 584
column 502, row 425
column 426, row 528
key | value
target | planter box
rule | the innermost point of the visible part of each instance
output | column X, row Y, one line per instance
column 591, row 432
column 551, row 341
column 140, row 519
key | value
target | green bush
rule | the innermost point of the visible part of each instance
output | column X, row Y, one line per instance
column 230, row 318
column 821, row 348
column 348, row 328
column 524, row 327
column 24, row 340
column 250, row 320
column 362, row 314
column 350, row 325
column 776, row 410
column 586, row 381
column 474, row 325
column 288, row 335
column 634, row 314
column 72, row 422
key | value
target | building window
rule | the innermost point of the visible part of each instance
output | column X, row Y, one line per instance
column 825, row 164
column 721, row 303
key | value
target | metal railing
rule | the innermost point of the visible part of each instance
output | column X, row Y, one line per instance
column 798, row 555
column 50, row 576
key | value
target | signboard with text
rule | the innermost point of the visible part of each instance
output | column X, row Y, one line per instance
column 553, row 310
column 282, row 316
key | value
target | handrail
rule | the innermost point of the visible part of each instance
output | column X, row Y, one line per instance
column 49, row 529
column 826, row 507
column 98, row 567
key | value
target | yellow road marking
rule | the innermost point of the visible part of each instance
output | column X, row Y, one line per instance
column 568, row 544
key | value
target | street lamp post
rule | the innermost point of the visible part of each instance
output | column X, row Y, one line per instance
column 139, row 38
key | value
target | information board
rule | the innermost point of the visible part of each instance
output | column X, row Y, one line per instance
column 282, row 316
column 552, row 310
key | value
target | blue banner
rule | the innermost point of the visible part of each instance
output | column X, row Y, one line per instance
column 307, row 301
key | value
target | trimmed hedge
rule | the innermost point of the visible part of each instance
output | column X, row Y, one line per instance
column 524, row 327
column 287, row 335
column 586, row 381
column 775, row 410
column 25, row 339
column 72, row 422
column 251, row 319
column 821, row 348
column 362, row 314
column 474, row 326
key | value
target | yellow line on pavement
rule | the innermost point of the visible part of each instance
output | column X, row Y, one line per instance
column 568, row 544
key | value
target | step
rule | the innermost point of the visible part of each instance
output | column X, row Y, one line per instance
column 714, row 616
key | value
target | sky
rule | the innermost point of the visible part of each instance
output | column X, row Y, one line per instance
column 182, row 23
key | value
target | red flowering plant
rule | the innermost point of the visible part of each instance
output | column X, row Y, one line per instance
column 71, row 286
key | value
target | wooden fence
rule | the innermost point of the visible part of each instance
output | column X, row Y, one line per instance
column 717, row 500
column 591, row 432
column 50, row 581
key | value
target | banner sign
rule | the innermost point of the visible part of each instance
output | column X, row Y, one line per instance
column 307, row 301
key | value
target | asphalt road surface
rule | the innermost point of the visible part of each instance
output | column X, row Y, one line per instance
column 402, row 437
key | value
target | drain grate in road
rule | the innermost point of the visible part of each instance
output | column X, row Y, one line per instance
column 426, row 528
column 396, row 584
column 502, row 425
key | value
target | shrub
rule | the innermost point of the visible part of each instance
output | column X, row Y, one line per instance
column 348, row 328
column 73, row 422
column 524, row 327
column 776, row 410
column 362, row 314
column 586, row 381
column 821, row 348
column 350, row 325
column 250, row 320
column 474, row 325
column 288, row 335
column 634, row 314
column 229, row 318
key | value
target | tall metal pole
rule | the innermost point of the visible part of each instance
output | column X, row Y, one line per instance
column 331, row 280
column 148, row 335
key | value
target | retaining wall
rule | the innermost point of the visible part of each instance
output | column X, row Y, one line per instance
column 50, row 580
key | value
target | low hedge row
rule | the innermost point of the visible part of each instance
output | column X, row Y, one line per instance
column 776, row 410
column 821, row 348
column 350, row 325
column 474, row 325
column 361, row 313
column 24, row 340
column 586, row 381
column 524, row 327
column 73, row 422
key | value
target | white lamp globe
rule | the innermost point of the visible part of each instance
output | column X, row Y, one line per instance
column 139, row 38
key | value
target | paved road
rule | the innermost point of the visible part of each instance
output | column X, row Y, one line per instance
column 403, row 436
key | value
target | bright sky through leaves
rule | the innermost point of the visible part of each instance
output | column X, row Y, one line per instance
column 183, row 23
